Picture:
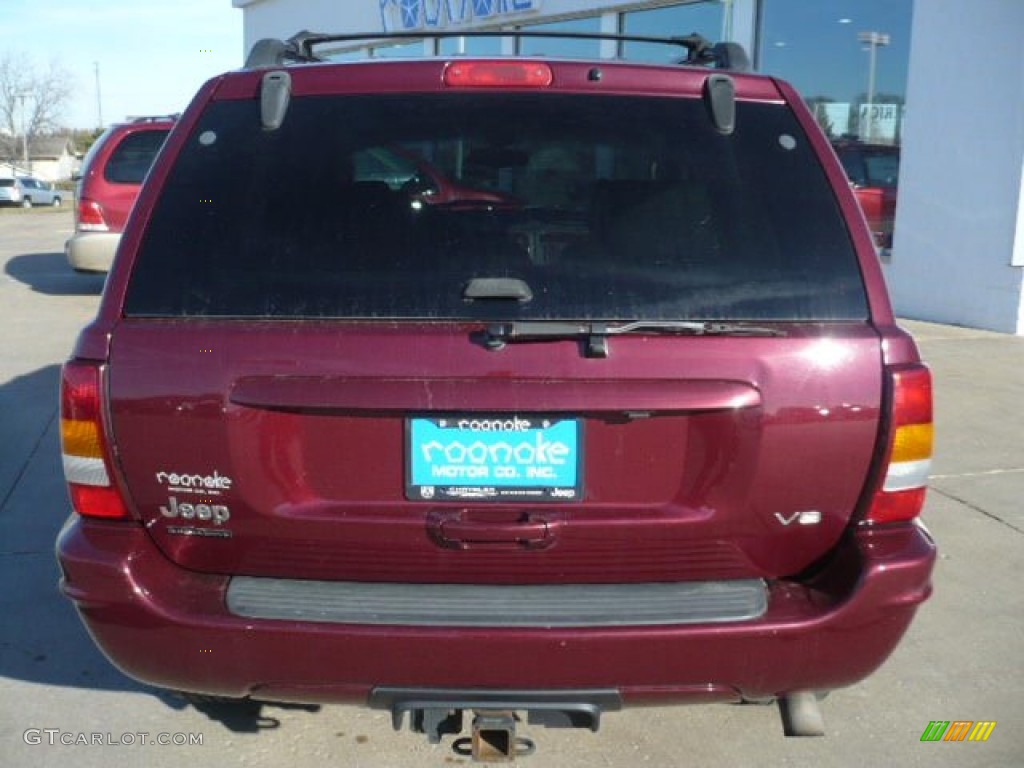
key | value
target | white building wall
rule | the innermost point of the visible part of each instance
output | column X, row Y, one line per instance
column 958, row 252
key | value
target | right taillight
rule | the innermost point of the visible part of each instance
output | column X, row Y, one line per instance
column 90, row 216
column 83, row 444
column 901, row 491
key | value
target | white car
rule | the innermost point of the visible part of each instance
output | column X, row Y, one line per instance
column 27, row 191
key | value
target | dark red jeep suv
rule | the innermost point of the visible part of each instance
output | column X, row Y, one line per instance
column 629, row 423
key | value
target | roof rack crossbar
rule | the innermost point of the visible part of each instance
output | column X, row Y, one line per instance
column 299, row 47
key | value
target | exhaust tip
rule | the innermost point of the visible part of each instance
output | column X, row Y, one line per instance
column 801, row 714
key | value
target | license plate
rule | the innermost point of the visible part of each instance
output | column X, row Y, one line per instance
column 494, row 458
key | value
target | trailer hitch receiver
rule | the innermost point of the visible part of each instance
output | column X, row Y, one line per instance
column 494, row 738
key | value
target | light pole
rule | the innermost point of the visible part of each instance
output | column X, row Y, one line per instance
column 874, row 40
column 99, row 101
column 727, row 11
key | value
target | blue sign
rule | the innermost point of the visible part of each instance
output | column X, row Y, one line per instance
column 495, row 457
column 415, row 15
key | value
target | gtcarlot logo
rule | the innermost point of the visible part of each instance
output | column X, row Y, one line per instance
column 56, row 737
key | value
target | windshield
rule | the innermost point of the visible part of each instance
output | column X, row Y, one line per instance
column 605, row 207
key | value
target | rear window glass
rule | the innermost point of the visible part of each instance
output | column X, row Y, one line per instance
column 6, row 182
column 606, row 207
column 883, row 168
column 130, row 161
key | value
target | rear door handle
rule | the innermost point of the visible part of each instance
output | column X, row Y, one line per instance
column 476, row 529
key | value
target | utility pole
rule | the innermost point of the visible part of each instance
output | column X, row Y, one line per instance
column 99, row 101
column 24, row 134
column 874, row 40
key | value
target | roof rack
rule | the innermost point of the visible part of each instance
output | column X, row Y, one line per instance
column 271, row 52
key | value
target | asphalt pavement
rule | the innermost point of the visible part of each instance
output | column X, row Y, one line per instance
column 961, row 659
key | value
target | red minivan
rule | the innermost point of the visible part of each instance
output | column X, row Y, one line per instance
column 112, row 174
column 650, row 435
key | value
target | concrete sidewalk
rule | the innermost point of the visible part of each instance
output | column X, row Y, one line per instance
column 979, row 397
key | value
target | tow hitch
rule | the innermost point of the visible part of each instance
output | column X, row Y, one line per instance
column 493, row 738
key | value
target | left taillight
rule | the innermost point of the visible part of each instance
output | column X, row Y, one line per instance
column 84, row 447
column 901, row 494
column 90, row 216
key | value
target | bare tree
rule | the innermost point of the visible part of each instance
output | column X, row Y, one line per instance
column 32, row 100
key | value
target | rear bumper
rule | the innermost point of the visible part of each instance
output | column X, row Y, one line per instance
column 92, row 251
column 171, row 628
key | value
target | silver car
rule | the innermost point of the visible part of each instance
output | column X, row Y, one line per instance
column 27, row 191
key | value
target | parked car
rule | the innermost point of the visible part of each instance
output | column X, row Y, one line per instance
column 873, row 170
column 112, row 174
column 654, row 438
column 27, row 191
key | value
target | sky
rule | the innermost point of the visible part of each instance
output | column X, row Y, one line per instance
column 153, row 55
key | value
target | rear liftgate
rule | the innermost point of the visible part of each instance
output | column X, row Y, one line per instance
column 439, row 713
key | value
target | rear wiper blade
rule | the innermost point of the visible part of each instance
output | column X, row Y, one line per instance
column 696, row 328
column 596, row 334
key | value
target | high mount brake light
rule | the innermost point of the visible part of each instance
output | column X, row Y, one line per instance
column 497, row 74
column 83, row 444
column 902, row 492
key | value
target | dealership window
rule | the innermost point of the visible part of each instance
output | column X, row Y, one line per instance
column 470, row 46
column 403, row 50
column 848, row 58
column 563, row 47
column 703, row 17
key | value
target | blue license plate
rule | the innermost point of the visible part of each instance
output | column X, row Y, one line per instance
column 494, row 458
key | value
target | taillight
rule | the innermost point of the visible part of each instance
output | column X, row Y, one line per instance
column 90, row 216
column 901, row 495
column 83, row 444
column 497, row 74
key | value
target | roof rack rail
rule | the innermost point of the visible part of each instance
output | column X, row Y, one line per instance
column 270, row 52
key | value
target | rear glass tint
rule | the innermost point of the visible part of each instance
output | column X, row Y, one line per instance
column 386, row 207
column 130, row 161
